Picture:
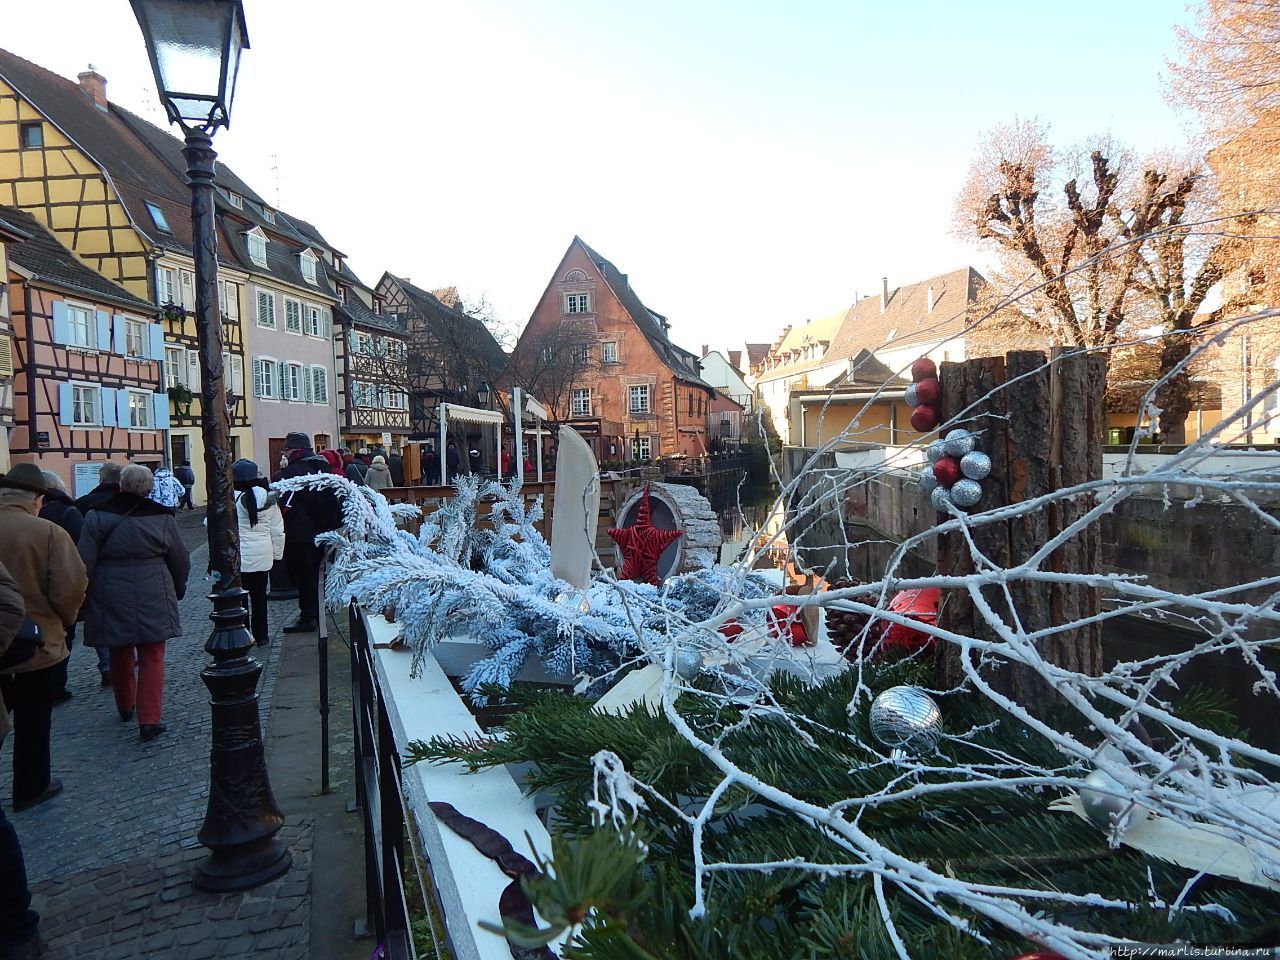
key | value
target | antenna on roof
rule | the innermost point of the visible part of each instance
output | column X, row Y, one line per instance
column 275, row 170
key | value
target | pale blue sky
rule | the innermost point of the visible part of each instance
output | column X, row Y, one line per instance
column 748, row 164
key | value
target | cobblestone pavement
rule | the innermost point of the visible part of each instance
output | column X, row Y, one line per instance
column 129, row 809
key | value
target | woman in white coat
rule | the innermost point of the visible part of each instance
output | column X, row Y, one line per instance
column 261, row 540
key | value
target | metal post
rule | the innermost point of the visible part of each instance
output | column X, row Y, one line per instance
column 517, row 412
column 444, row 416
column 241, row 819
column 322, row 639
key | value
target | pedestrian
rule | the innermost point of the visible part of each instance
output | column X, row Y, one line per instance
column 451, row 461
column 307, row 514
column 530, row 471
column 354, row 469
column 505, row 463
column 430, row 466
column 166, row 490
column 138, row 567
column 395, row 463
column 61, row 509
column 18, row 922
column 187, row 477
column 378, row 476
column 334, row 459
column 106, row 490
column 42, row 560
column 474, row 463
column 261, row 527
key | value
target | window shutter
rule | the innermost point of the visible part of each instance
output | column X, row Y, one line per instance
column 119, row 336
column 122, row 408
column 155, row 337
column 326, row 325
column 107, row 407
column 308, row 388
column 321, row 384
column 104, row 330
column 65, row 400
column 61, row 325
column 281, row 370
column 160, row 411
column 266, row 312
column 193, row 371
column 237, row 373
column 257, row 377
column 187, row 289
column 6, row 355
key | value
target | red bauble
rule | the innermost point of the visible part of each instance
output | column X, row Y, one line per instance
column 923, row 369
column 928, row 391
column 642, row 544
column 947, row 471
column 924, row 418
column 785, row 624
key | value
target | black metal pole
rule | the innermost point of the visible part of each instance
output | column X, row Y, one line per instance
column 242, row 819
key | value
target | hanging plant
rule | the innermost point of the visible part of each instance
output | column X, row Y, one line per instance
column 181, row 397
column 173, row 311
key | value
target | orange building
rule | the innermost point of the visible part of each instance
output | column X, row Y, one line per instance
column 631, row 392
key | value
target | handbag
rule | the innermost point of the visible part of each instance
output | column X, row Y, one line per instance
column 24, row 645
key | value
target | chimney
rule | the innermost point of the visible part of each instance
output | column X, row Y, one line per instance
column 884, row 293
column 94, row 86
column 930, row 298
column 705, row 350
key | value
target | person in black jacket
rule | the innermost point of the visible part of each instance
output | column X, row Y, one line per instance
column 187, row 477
column 60, row 509
column 108, row 486
column 395, row 463
column 307, row 513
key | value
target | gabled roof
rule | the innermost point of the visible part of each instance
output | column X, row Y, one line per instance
column 47, row 261
column 428, row 307
column 756, row 352
column 683, row 363
column 283, row 249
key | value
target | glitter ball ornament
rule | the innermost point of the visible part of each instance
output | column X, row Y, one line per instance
column 947, row 471
column 927, row 480
column 966, row 493
column 941, row 499
column 975, row 465
column 935, row 451
column 906, row 717
column 1098, row 797
column 923, row 369
column 928, row 391
column 924, row 418
column 688, row 664
column 575, row 601
column 909, row 395
column 959, row 442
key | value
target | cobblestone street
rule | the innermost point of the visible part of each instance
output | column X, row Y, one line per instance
column 109, row 859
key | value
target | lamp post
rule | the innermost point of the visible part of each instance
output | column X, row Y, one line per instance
column 195, row 47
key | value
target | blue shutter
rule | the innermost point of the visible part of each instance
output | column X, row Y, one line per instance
column 107, row 406
column 61, row 325
column 160, row 411
column 155, row 333
column 122, row 408
column 64, row 391
column 103, row 338
column 119, row 339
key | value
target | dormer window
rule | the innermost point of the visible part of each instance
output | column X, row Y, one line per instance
column 307, row 261
column 257, row 241
column 268, row 215
column 235, row 200
column 157, row 217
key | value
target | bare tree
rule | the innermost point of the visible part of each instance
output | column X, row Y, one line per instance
column 552, row 364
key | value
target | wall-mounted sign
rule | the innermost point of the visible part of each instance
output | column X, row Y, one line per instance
column 42, row 438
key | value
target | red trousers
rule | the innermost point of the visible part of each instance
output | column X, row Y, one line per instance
column 143, row 689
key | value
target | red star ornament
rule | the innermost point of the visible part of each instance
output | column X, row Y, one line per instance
column 642, row 544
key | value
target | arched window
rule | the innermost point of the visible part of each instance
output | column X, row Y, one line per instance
column 575, row 276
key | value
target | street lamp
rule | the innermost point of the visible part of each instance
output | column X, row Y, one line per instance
column 195, row 47
column 482, row 394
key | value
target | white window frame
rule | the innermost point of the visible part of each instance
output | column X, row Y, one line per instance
column 397, row 400
column 90, row 326
column 307, row 263
column 78, row 392
column 137, row 341
column 365, row 394
column 288, row 326
column 271, row 298
column 269, row 215
column 580, row 402
column 576, row 304
column 291, row 382
column 609, row 351
column 269, row 368
column 643, row 448
column 166, row 285
column 313, row 320
column 632, row 395
column 187, row 288
column 229, row 298
column 175, row 366
column 142, row 399
column 256, row 241
column 235, row 200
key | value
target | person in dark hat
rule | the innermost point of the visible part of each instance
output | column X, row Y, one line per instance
column 261, row 540
column 42, row 559
column 297, row 447
column 307, row 514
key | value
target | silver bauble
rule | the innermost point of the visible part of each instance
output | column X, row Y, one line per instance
column 906, row 717
column 975, row 465
column 688, row 664
column 927, row 480
column 909, row 396
column 959, row 442
column 1102, row 803
column 966, row 493
column 935, row 451
column 941, row 499
column 574, row 601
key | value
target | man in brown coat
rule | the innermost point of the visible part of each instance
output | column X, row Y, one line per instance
column 43, row 561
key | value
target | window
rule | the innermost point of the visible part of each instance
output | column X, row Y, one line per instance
column 292, row 315
column 609, row 352
column 268, row 215
column 175, row 367
column 166, row 285
column 80, row 327
column 363, row 393
column 581, row 354
column 580, row 403
column 577, row 303
column 292, row 386
column 266, row 309
column 342, row 294
column 638, row 398
column 84, row 406
column 397, row 400
column 233, row 372
column 135, row 338
column 265, row 383
column 187, row 289
column 319, row 385
column 31, row 134
column 257, row 241
column 644, row 448
column 229, row 299
column 317, row 321
column 157, row 216
column 235, row 200
column 548, row 354
column 139, row 410
column 308, row 261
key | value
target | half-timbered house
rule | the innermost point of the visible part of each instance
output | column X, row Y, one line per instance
column 8, row 234
column 87, row 363
column 372, row 364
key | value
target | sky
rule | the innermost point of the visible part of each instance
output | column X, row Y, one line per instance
column 748, row 164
